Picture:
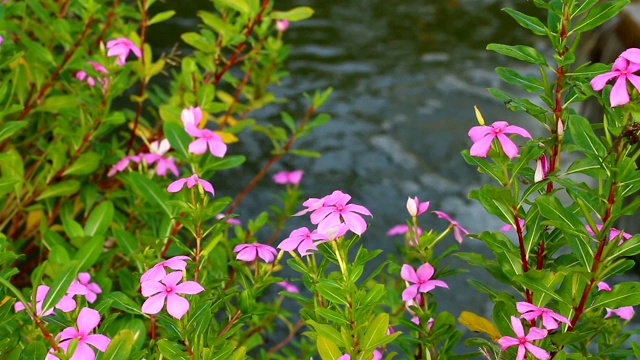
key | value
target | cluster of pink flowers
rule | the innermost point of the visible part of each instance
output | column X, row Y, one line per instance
column 82, row 75
column 205, row 138
column 333, row 215
column 623, row 69
column 160, row 287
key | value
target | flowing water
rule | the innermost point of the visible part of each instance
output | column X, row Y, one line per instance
column 406, row 75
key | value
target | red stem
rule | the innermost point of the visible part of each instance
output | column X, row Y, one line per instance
column 143, row 81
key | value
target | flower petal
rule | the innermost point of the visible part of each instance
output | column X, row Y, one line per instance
column 154, row 304
column 177, row 306
column 88, row 319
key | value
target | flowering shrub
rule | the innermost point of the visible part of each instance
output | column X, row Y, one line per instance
column 115, row 245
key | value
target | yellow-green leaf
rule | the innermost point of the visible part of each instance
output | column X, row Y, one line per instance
column 477, row 323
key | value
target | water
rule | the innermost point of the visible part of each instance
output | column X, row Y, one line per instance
column 406, row 75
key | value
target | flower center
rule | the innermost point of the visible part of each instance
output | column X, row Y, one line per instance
column 168, row 290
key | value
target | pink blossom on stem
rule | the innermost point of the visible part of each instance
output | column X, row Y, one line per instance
column 288, row 177
column 206, row 139
column 232, row 221
column 88, row 319
column 157, row 150
column 622, row 70
column 303, row 240
column 120, row 48
column 421, row 280
column 282, row 25
column 625, row 312
column 524, row 341
column 311, row 204
column 549, row 317
column 123, row 164
column 613, row 233
column 168, row 288
column 458, row 231
column 541, row 169
column 82, row 75
column 158, row 272
column 90, row 290
column 482, row 137
column 190, row 181
column 249, row 252
column 288, row 286
column 415, row 207
column 336, row 211
column 65, row 304
column 402, row 229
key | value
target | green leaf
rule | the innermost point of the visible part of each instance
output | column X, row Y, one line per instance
column 160, row 17
column 326, row 331
column 305, row 153
column 485, row 167
column 584, row 138
column 54, row 104
column 178, row 138
column 630, row 247
column 64, row 188
column 171, row 350
column 520, row 52
column 497, row 201
column 331, row 315
column 151, row 192
column 583, row 6
column 599, row 15
column 537, row 280
column 226, row 162
column 126, row 241
column 100, row 219
column 123, row 302
column 60, row 285
column 33, row 351
column 528, row 83
column 240, row 5
column 529, row 22
column 327, row 349
column 120, row 346
column 7, row 184
column 624, row 294
column 295, row 14
column 198, row 41
column 89, row 252
column 214, row 21
column 10, row 127
column 331, row 292
column 375, row 332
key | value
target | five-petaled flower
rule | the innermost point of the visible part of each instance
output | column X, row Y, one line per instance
column 524, row 341
column 421, row 280
column 303, row 240
column 121, row 47
column 88, row 319
column 190, row 181
column 288, row 177
column 249, row 252
column 415, row 207
column 549, row 317
column 157, row 150
column 482, row 137
column 65, row 304
column 458, row 231
column 623, row 69
column 91, row 289
column 158, row 272
column 168, row 288
column 206, row 139
column 335, row 210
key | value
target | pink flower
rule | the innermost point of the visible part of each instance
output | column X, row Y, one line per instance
column 205, row 138
column 121, row 47
column 159, row 148
column 157, row 272
column 81, row 75
column 344, row 357
column 482, row 137
column 168, row 288
column 288, row 177
column 88, row 319
column 311, row 204
column 191, row 181
column 541, row 169
column 415, row 207
column 549, row 317
column 421, row 280
column 232, row 221
column 91, row 289
column 623, row 70
column 282, row 25
column 123, row 164
column 65, row 304
column 613, row 233
column 335, row 211
column 524, row 342
column 249, row 252
column 402, row 229
column 303, row 240
column 507, row 227
column 288, row 286
column 458, row 231
column 603, row 286
column 625, row 312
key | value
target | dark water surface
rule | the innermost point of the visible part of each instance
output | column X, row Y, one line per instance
column 406, row 75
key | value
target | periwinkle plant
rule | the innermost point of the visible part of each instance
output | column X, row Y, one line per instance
column 114, row 239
